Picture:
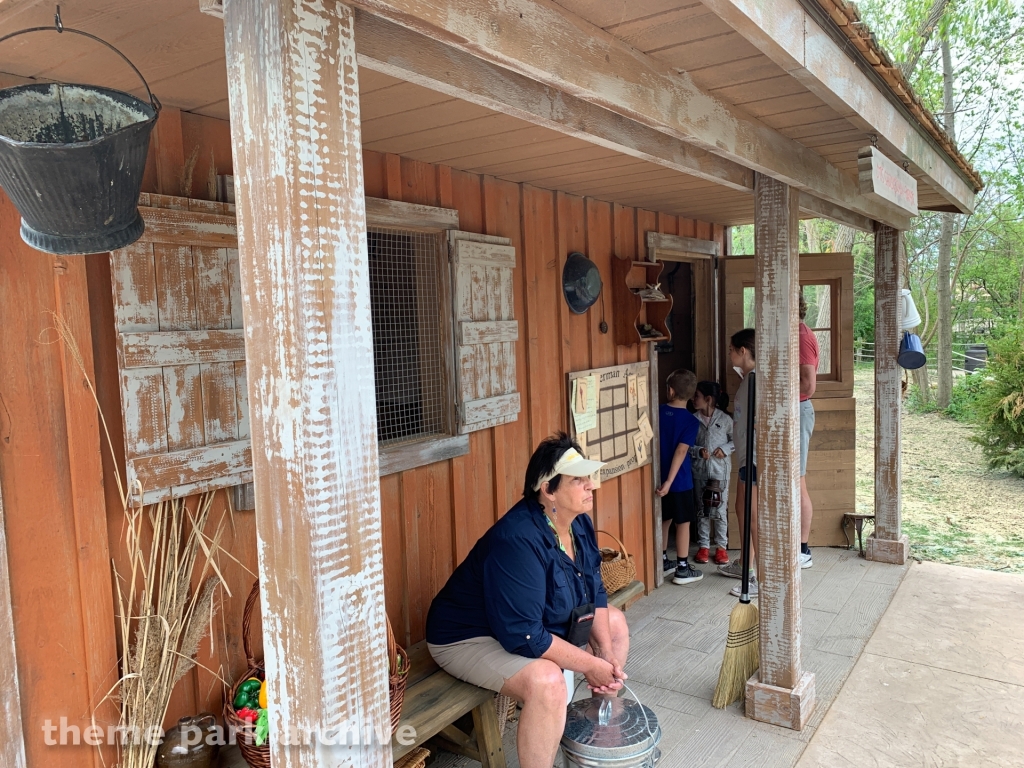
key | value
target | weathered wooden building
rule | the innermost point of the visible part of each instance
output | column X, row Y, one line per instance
column 371, row 342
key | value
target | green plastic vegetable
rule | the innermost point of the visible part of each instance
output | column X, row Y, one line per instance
column 248, row 694
column 262, row 728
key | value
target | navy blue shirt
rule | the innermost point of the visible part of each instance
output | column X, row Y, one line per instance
column 677, row 425
column 517, row 586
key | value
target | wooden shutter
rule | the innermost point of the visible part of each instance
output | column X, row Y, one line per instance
column 486, row 330
column 181, row 351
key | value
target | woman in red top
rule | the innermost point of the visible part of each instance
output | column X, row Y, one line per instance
column 808, row 382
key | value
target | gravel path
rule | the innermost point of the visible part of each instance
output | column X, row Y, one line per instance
column 955, row 509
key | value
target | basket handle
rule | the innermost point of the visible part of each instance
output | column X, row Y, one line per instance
column 250, row 604
column 58, row 26
column 617, row 541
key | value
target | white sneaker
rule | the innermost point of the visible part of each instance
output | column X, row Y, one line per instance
column 805, row 560
column 737, row 591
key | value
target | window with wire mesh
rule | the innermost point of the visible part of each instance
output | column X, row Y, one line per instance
column 407, row 356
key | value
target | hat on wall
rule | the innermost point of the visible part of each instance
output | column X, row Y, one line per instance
column 581, row 282
column 572, row 464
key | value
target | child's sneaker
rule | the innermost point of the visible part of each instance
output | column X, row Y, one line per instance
column 686, row 574
column 721, row 557
column 667, row 565
column 702, row 555
column 805, row 560
column 737, row 591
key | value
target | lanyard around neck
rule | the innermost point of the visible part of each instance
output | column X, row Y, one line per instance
column 576, row 548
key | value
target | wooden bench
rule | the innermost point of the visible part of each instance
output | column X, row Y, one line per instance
column 435, row 701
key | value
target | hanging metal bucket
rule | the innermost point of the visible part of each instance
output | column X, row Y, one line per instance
column 72, row 159
column 911, row 354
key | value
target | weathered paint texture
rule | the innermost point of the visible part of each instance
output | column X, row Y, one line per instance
column 305, row 291
column 12, row 738
column 888, row 396
column 777, row 430
column 542, row 41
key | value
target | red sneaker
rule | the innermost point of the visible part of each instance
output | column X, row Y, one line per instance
column 702, row 555
column 721, row 556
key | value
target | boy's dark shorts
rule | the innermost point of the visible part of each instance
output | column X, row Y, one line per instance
column 679, row 507
column 743, row 475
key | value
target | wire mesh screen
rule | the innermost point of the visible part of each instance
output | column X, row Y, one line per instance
column 407, row 356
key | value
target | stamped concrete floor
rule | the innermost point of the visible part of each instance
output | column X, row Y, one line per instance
column 678, row 638
column 941, row 682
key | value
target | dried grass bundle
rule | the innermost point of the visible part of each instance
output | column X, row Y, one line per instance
column 161, row 619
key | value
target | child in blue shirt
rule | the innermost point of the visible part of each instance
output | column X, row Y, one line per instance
column 678, row 431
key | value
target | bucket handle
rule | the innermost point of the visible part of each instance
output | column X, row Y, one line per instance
column 58, row 26
column 604, row 709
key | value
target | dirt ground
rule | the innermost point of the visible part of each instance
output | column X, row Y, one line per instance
column 955, row 509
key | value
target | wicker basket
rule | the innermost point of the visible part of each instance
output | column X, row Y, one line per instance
column 618, row 568
column 257, row 757
column 398, row 676
column 415, row 759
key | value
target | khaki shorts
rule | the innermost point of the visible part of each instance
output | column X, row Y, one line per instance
column 806, row 430
column 480, row 661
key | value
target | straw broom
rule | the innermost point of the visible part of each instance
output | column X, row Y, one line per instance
column 742, row 647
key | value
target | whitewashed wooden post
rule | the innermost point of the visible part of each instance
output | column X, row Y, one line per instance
column 780, row 692
column 888, row 543
column 12, row 737
column 295, row 129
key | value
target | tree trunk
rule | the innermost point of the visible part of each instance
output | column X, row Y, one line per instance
column 944, row 288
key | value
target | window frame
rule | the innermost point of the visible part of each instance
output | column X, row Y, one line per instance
column 430, row 449
column 835, row 332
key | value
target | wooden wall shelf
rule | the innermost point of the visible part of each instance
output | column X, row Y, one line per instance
column 630, row 311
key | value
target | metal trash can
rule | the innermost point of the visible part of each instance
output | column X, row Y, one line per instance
column 610, row 733
column 976, row 357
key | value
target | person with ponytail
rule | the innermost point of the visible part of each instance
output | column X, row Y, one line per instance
column 711, row 470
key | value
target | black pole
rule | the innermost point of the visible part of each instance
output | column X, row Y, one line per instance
column 748, row 488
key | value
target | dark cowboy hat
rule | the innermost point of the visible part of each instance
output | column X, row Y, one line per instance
column 581, row 282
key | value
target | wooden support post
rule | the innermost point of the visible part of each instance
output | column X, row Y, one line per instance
column 887, row 544
column 294, row 103
column 781, row 693
column 654, row 398
column 12, row 737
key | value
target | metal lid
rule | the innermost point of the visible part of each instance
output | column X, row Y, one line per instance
column 610, row 728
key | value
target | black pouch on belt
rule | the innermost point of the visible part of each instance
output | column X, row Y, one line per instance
column 581, row 621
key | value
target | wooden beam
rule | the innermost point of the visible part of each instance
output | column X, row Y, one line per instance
column 12, row 736
column 888, row 543
column 395, row 213
column 793, row 39
column 820, row 209
column 677, row 244
column 783, row 694
column 295, row 132
column 393, row 50
column 542, row 41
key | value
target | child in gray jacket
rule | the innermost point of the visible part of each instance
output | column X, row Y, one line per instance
column 710, row 456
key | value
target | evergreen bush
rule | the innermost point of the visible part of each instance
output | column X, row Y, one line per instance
column 1000, row 404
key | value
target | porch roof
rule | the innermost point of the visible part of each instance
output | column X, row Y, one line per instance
column 760, row 76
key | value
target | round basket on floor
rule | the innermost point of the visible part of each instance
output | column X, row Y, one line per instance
column 618, row 568
column 398, row 676
column 257, row 757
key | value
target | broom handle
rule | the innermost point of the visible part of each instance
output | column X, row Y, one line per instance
column 748, row 488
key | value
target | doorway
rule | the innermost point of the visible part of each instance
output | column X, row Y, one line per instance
column 678, row 352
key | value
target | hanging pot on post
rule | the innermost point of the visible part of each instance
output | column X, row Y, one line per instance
column 911, row 354
column 72, row 159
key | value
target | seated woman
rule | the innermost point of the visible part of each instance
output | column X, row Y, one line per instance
column 503, row 620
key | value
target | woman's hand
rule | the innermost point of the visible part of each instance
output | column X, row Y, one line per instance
column 601, row 675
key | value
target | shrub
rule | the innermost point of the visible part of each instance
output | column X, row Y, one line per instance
column 964, row 397
column 1000, row 405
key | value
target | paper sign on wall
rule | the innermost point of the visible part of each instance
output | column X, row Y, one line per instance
column 584, row 403
column 631, row 394
column 642, row 393
column 644, row 425
column 595, row 478
column 641, row 447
